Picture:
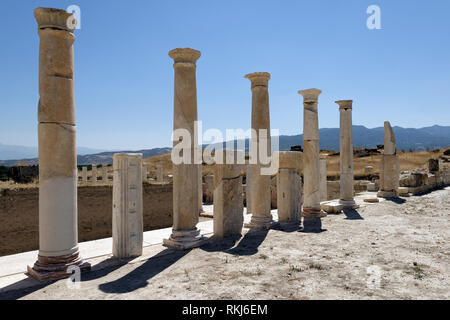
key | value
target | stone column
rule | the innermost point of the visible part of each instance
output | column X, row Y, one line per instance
column 104, row 172
column 159, row 173
column 200, row 189
column 323, row 180
column 260, row 184
column 346, row 154
column 94, row 173
column 58, row 173
column 185, row 234
column 84, row 174
column 311, row 211
column 144, row 172
column 228, row 202
column 389, row 166
column 127, row 222
column 289, row 187
column 248, row 189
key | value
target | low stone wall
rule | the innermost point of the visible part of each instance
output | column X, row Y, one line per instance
column 418, row 183
column 19, row 214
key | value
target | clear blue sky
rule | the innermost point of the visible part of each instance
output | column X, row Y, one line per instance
column 124, row 77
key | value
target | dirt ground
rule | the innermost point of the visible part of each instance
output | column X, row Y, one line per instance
column 390, row 250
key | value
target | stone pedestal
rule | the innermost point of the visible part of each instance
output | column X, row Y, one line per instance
column 228, row 202
column 289, row 187
column 185, row 234
column 58, row 174
column 323, row 180
column 127, row 220
column 346, row 154
column 311, row 210
column 260, row 184
column 84, row 174
column 104, row 172
column 94, row 173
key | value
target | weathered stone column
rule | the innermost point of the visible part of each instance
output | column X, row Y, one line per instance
column 127, row 222
column 58, row 173
column 94, row 173
column 228, row 202
column 144, row 172
column 289, row 187
column 84, row 174
column 323, row 180
column 248, row 189
column 389, row 166
column 260, row 184
column 200, row 188
column 104, row 172
column 346, row 154
column 185, row 175
column 159, row 173
column 311, row 211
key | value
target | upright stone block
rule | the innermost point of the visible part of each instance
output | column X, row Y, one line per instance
column 433, row 165
column 84, row 174
column 289, row 186
column 311, row 211
column 185, row 233
column 127, row 220
column 104, row 172
column 159, row 173
column 260, row 183
column 389, row 166
column 58, row 174
column 94, row 173
column 144, row 172
column 228, row 202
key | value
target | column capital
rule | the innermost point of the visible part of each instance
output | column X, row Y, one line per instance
column 344, row 104
column 258, row 78
column 54, row 19
column 310, row 95
column 184, row 55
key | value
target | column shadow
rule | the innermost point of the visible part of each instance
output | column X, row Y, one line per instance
column 13, row 294
column 396, row 200
column 138, row 277
column 352, row 214
column 247, row 246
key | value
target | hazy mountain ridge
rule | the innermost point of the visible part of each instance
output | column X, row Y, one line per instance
column 434, row 137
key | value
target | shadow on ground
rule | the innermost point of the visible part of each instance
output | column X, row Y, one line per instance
column 352, row 214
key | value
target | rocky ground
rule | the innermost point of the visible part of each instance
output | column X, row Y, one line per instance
column 390, row 250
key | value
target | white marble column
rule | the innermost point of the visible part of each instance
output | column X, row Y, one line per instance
column 389, row 166
column 228, row 202
column 127, row 222
column 346, row 155
column 311, row 211
column 84, row 174
column 289, row 187
column 104, row 172
column 323, row 180
column 260, row 184
column 94, row 173
column 185, row 233
column 58, row 173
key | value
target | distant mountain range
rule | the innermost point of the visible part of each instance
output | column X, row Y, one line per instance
column 434, row 137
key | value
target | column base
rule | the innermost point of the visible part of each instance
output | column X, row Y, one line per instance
column 54, row 268
column 387, row 194
column 313, row 213
column 185, row 239
column 348, row 204
column 261, row 223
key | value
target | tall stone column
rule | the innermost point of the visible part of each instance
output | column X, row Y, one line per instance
column 159, row 173
column 228, row 202
column 260, row 184
column 94, row 173
column 200, row 188
column 144, row 172
column 323, row 180
column 58, row 173
column 104, row 172
column 84, row 174
column 185, row 233
column 289, row 187
column 389, row 166
column 127, row 222
column 311, row 211
column 346, row 155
